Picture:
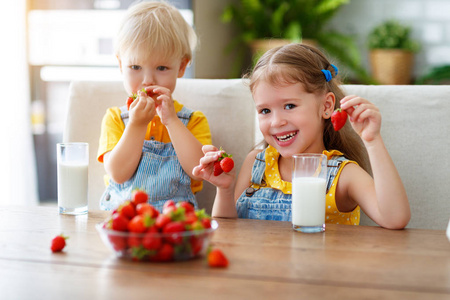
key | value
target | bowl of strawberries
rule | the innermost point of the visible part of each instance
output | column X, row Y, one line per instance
column 138, row 231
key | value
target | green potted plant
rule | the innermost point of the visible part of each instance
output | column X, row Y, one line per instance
column 275, row 23
column 392, row 53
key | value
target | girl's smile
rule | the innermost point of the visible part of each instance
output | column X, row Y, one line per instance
column 285, row 139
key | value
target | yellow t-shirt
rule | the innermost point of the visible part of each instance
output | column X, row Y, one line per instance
column 113, row 128
column 273, row 179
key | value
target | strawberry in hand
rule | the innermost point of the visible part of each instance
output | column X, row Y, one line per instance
column 133, row 97
column 338, row 119
column 224, row 164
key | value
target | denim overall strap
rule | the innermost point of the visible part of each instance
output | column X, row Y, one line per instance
column 159, row 173
column 259, row 166
column 333, row 166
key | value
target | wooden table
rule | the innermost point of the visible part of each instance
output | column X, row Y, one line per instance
column 268, row 260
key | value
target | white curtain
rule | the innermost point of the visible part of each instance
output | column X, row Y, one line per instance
column 18, row 184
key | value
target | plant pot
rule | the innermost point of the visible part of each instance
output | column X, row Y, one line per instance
column 391, row 66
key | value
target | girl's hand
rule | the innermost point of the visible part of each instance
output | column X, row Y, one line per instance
column 364, row 116
column 142, row 110
column 205, row 169
column 164, row 104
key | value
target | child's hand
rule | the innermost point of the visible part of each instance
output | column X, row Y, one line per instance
column 142, row 110
column 205, row 169
column 164, row 104
column 364, row 116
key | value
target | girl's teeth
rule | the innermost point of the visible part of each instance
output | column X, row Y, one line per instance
column 286, row 137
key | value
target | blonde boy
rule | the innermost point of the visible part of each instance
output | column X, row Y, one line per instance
column 155, row 143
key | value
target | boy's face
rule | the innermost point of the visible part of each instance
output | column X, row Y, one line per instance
column 157, row 70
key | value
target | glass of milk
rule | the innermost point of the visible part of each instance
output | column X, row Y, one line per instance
column 309, row 181
column 72, row 162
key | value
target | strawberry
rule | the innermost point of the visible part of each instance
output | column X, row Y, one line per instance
column 151, row 241
column 227, row 164
column 174, row 227
column 146, row 209
column 217, row 259
column 188, row 206
column 119, row 222
column 129, row 101
column 224, row 164
column 338, row 119
column 140, row 223
column 119, row 243
column 133, row 97
column 162, row 220
column 58, row 243
column 127, row 209
column 139, row 196
column 165, row 253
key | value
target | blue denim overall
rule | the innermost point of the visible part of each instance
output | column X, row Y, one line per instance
column 269, row 203
column 159, row 173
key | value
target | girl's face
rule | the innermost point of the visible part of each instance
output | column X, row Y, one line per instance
column 156, row 70
column 290, row 119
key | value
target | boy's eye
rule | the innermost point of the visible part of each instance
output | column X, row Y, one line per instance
column 289, row 106
column 264, row 111
column 135, row 67
column 161, row 68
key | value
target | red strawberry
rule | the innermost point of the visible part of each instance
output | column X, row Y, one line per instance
column 188, row 207
column 174, row 227
column 151, row 241
column 140, row 223
column 165, row 253
column 217, row 259
column 129, row 101
column 338, row 119
column 162, row 220
column 127, row 209
column 139, row 196
column 146, row 209
column 227, row 164
column 217, row 168
column 119, row 222
column 58, row 243
column 119, row 243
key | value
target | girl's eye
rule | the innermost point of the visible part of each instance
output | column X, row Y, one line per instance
column 289, row 106
column 135, row 67
column 264, row 111
column 161, row 68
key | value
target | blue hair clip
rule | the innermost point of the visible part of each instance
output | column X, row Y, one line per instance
column 335, row 69
column 327, row 73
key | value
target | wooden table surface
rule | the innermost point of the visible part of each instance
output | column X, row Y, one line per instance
column 268, row 260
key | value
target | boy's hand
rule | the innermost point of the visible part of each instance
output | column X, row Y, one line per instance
column 142, row 110
column 205, row 169
column 364, row 116
column 164, row 104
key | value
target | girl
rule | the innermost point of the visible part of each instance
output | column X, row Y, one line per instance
column 155, row 142
column 295, row 92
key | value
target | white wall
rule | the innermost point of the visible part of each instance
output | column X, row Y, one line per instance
column 429, row 19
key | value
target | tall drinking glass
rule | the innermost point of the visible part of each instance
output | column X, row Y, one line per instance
column 309, row 181
column 72, row 161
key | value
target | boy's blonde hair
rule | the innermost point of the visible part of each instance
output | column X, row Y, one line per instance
column 296, row 63
column 150, row 28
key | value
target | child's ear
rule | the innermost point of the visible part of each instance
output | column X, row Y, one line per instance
column 183, row 66
column 120, row 63
column 328, row 105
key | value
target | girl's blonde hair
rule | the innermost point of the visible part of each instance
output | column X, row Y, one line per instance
column 295, row 63
column 150, row 28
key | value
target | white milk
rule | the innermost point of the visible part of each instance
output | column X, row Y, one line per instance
column 308, row 201
column 72, row 184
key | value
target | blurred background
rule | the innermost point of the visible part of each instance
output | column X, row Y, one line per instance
column 48, row 43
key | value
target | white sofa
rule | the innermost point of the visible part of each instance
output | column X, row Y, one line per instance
column 415, row 128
